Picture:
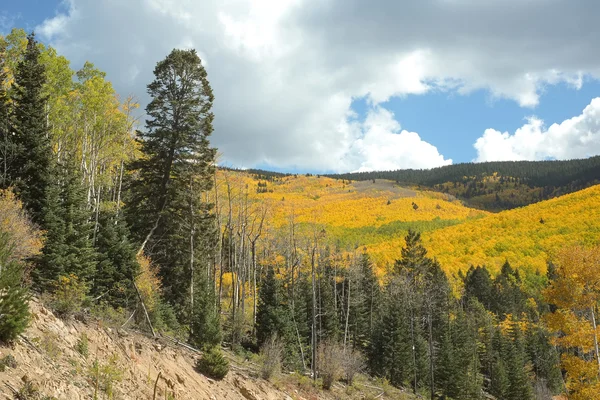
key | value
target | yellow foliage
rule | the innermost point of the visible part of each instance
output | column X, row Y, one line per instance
column 24, row 239
column 518, row 235
column 148, row 282
column 576, row 293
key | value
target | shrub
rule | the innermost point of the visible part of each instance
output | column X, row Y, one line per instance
column 104, row 376
column 69, row 295
column 82, row 346
column 49, row 343
column 330, row 362
column 7, row 361
column 213, row 364
column 270, row 357
column 353, row 362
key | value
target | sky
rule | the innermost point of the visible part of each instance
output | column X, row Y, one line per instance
column 349, row 85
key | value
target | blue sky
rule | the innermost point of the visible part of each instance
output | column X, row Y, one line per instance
column 287, row 80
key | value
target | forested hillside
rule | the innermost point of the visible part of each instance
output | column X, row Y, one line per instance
column 135, row 226
column 497, row 186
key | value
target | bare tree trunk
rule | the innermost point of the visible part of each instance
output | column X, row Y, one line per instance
column 314, row 315
column 431, row 355
column 120, row 186
column 347, row 314
column 595, row 337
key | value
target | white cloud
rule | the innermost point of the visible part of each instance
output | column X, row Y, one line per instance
column 577, row 137
column 385, row 146
column 285, row 72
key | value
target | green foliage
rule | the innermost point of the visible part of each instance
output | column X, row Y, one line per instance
column 7, row 361
column 82, row 345
column 205, row 326
column 31, row 169
column 68, row 248
column 69, row 295
column 117, row 264
column 496, row 185
column 271, row 314
column 165, row 201
column 213, row 364
column 14, row 296
column 105, row 375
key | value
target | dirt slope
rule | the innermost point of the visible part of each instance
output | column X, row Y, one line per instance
column 47, row 355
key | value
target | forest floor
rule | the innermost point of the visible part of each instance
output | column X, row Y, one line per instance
column 47, row 362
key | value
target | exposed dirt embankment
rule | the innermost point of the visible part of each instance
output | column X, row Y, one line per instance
column 75, row 360
column 122, row 364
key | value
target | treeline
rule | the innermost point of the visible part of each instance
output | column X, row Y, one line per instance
column 497, row 185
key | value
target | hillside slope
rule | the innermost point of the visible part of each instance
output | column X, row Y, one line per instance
column 526, row 237
column 47, row 356
column 376, row 215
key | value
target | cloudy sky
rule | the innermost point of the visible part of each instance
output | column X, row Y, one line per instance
column 345, row 85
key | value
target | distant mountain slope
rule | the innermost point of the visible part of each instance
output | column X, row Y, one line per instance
column 376, row 216
column 525, row 237
column 352, row 214
column 497, row 185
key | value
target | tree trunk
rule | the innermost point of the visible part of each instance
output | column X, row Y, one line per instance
column 347, row 315
column 595, row 337
column 314, row 316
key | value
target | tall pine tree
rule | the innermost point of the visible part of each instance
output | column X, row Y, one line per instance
column 31, row 167
column 165, row 209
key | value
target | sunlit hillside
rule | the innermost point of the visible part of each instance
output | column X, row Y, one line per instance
column 526, row 237
column 367, row 213
column 376, row 216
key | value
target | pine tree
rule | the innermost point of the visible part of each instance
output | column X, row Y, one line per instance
column 31, row 167
column 478, row 284
column 367, row 299
column 68, row 248
column 499, row 382
column 519, row 386
column 269, row 315
column 205, row 328
column 165, row 208
column 391, row 353
column 14, row 296
column 117, row 264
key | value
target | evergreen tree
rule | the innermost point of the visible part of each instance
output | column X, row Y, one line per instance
column 391, row 352
column 165, row 208
column 117, row 264
column 498, row 372
column 31, row 167
column 14, row 296
column 268, row 313
column 205, row 329
column 509, row 298
column 329, row 321
column 519, row 386
column 367, row 300
column 479, row 285
column 273, row 319
column 68, row 248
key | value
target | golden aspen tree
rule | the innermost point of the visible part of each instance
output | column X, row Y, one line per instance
column 575, row 293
